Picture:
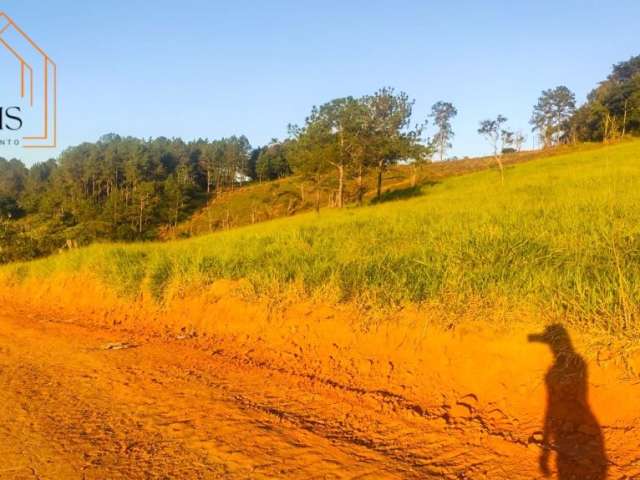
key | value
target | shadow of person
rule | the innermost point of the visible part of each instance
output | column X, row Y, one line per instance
column 570, row 428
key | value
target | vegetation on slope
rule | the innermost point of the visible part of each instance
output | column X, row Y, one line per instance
column 258, row 202
column 561, row 235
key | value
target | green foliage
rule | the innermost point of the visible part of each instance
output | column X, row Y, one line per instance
column 15, row 244
column 442, row 114
column 350, row 135
column 9, row 207
column 563, row 235
column 272, row 161
column 498, row 137
column 552, row 114
column 114, row 189
column 613, row 108
column 13, row 175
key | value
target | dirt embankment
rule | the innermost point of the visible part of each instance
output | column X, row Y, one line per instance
column 211, row 386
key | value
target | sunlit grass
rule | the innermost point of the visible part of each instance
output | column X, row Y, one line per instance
column 562, row 234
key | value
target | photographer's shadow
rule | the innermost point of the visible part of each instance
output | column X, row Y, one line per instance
column 570, row 427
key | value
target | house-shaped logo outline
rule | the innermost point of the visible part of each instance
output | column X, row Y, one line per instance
column 48, row 138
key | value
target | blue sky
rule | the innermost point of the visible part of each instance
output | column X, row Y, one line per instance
column 201, row 68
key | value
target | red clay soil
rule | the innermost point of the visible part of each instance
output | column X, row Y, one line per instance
column 304, row 396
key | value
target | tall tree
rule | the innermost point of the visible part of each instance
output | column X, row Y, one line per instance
column 334, row 131
column 207, row 160
column 309, row 149
column 551, row 115
column 388, row 124
column 442, row 114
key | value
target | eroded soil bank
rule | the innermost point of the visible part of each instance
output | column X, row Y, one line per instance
column 214, row 386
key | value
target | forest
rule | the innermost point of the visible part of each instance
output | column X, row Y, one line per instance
column 128, row 189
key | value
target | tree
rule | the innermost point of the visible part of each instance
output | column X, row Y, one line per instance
column 13, row 175
column 420, row 155
column 507, row 137
column 388, row 130
column 442, row 113
column 519, row 140
column 9, row 208
column 320, row 136
column 551, row 115
column 335, row 134
column 209, row 154
column 237, row 151
column 346, row 119
column 308, row 151
column 272, row 161
column 492, row 130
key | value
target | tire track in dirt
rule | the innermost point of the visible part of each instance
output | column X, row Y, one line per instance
column 79, row 425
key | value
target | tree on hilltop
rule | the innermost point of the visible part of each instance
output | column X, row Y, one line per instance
column 493, row 131
column 551, row 115
column 350, row 135
column 442, row 114
column 392, row 138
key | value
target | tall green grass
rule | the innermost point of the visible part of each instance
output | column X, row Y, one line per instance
column 562, row 234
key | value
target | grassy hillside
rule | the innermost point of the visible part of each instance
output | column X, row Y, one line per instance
column 562, row 235
column 259, row 202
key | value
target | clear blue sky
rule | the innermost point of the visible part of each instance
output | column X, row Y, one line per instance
column 200, row 68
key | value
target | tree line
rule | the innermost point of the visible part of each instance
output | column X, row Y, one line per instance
column 612, row 110
column 119, row 188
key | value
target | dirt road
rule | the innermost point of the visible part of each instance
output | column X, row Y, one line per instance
column 75, row 404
